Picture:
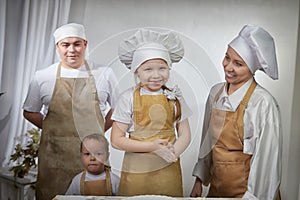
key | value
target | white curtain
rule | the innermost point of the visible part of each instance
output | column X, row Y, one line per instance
column 26, row 45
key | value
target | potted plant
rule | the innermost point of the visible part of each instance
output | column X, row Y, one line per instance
column 25, row 155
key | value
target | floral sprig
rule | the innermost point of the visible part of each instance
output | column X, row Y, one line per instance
column 26, row 156
column 174, row 93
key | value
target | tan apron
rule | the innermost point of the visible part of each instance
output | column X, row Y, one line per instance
column 147, row 173
column 97, row 187
column 73, row 113
column 231, row 166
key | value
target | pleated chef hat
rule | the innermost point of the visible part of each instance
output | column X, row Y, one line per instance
column 257, row 48
column 147, row 44
column 69, row 30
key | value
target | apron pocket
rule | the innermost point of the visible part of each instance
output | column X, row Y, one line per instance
column 229, row 179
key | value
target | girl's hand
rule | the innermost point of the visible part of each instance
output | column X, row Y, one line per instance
column 166, row 151
column 171, row 147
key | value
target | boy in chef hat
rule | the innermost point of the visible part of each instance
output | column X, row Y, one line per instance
column 148, row 112
column 242, row 125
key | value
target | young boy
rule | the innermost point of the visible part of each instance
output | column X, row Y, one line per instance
column 96, row 179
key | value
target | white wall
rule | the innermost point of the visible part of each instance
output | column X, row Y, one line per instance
column 294, row 147
column 206, row 28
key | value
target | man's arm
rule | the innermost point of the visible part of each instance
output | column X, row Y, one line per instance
column 108, row 121
column 34, row 117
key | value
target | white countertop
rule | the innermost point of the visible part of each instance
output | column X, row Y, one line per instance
column 67, row 197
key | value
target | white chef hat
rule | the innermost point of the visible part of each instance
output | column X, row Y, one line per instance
column 257, row 48
column 147, row 44
column 69, row 30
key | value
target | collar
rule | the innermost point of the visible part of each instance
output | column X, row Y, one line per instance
column 235, row 98
column 90, row 176
column 146, row 92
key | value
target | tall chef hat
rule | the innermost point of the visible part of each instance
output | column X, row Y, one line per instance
column 147, row 44
column 69, row 30
column 257, row 48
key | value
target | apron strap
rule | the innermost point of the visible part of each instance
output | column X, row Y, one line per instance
column 136, row 95
column 219, row 93
column 58, row 70
column 241, row 110
column 91, row 78
column 178, row 110
column 246, row 98
column 82, row 179
column 108, row 181
column 176, row 102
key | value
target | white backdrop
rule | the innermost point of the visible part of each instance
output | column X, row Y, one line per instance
column 206, row 28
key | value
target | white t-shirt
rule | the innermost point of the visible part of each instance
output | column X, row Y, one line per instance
column 42, row 86
column 74, row 188
column 123, row 111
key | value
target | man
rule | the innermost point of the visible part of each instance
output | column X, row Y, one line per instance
column 68, row 100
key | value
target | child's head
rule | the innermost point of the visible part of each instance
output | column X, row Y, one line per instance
column 153, row 74
column 94, row 153
column 147, row 47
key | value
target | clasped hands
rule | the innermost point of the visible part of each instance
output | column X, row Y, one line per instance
column 165, row 150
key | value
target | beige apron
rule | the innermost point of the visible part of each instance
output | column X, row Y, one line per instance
column 147, row 173
column 73, row 113
column 231, row 166
column 97, row 187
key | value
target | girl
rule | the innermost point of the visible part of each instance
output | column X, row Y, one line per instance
column 151, row 114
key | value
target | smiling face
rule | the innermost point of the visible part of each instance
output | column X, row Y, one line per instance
column 236, row 70
column 94, row 154
column 153, row 74
column 71, row 51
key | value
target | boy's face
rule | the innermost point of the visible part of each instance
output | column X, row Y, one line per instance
column 93, row 156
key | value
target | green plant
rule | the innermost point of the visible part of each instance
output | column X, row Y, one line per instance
column 25, row 157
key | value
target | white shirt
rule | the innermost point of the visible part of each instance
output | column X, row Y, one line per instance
column 42, row 86
column 262, row 138
column 74, row 188
column 123, row 111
